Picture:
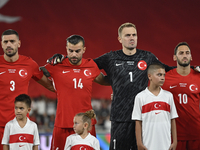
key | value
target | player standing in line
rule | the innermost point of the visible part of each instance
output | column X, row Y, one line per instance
column 82, row 139
column 184, row 84
column 21, row 133
column 127, row 73
column 15, row 72
column 73, row 80
column 154, row 113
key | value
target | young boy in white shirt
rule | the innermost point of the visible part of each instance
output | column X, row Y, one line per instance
column 155, row 112
column 21, row 133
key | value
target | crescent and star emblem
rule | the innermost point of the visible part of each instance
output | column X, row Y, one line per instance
column 142, row 65
column 82, row 148
column 23, row 73
column 87, row 72
column 157, row 105
column 21, row 138
column 193, row 87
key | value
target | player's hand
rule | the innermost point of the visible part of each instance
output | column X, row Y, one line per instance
column 55, row 59
column 197, row 68
column 173, row 146
column 45, row 71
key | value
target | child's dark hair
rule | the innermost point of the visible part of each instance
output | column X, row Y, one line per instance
column 24, row 98
column 87, row 116
column 154, row 66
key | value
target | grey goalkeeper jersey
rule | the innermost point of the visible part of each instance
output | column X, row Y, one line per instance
column 127, row 76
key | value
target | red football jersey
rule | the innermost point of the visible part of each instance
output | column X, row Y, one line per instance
column 186, row 92
column 73, row 84
column 14, row 80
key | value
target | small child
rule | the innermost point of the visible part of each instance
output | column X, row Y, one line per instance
column 82, row 139
column 21, row 133
column 155, row 112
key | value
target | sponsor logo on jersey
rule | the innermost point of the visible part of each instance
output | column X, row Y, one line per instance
column 119, row 64
column 2, row 72
column 76, row 70
column 157, row 113
column 11, row 70
column 65, row 71
column 142, row 65
column 23, row 73
column 130, row 62
column 87, row 72
column 183, row 84
column 171, row 87
column 193, row 88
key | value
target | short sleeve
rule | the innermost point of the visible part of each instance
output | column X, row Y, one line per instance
column 36, row 136
column 137, row 109
column 173, row 111
column 6, row 135
column 96, row 144
column 102, row 61
column 68, row 143
column 37, row 73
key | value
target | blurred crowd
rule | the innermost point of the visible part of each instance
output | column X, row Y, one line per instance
column 44, row 110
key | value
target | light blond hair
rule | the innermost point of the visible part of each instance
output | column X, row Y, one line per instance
column 127, row 24
column 87, row 116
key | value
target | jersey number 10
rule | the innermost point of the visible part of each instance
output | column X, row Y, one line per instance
column 183, row 99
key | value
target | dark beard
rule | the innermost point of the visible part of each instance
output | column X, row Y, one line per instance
column 11, row 55
column 184, row 65
column 74, row 63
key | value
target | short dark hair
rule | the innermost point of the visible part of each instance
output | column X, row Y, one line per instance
column 180, row 44
column 154, row 66
column 24, row 98
column 75, row 39
column 9, row 32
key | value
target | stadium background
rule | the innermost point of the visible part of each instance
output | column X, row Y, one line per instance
column 44, row 25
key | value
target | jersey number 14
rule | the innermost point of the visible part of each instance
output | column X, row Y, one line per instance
column 78, row 83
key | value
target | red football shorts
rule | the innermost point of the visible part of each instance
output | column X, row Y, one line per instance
column 188, row 145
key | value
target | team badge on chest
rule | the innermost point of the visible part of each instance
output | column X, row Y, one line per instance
column 23, row 73
column 142, row 65
column 87, row 72
column 193, row 88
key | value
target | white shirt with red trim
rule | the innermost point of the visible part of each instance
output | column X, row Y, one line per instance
column 20, row 138
column 76, row 142
column 156, row 113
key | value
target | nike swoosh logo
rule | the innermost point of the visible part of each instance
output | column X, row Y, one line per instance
column 171, row 87
column 3, row 72
column 21, row 145
column 157, row 113
column 65, row 71
column 118, row 64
